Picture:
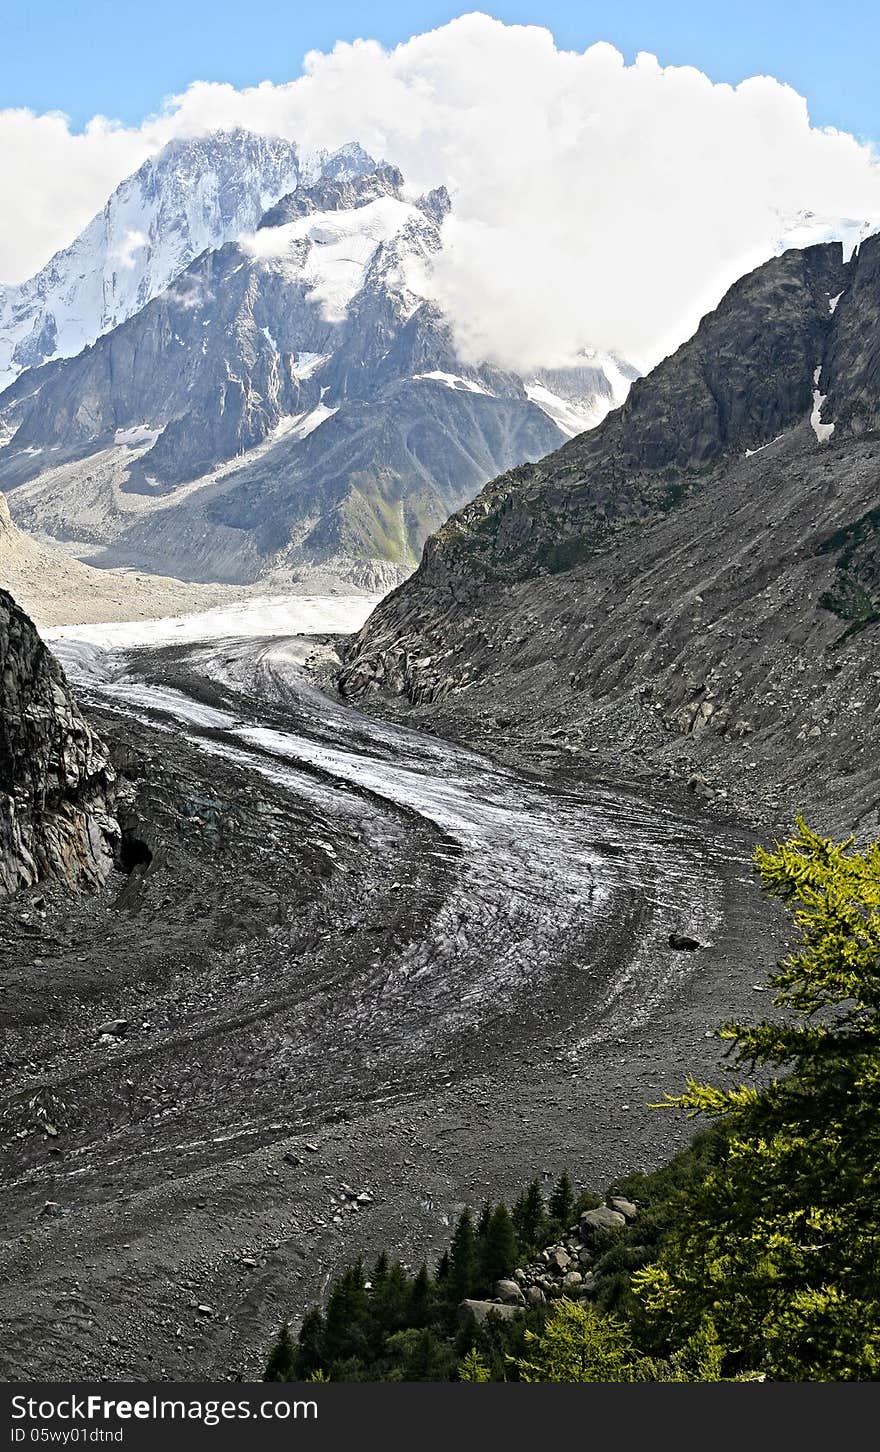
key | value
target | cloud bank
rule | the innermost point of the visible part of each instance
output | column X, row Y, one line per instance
column 595, row 203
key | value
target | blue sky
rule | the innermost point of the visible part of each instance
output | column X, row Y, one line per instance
column 121, row 58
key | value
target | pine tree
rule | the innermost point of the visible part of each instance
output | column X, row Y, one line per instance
column 529, row 1216
column 561, row 1202
column 421, row 1298
column 310, row 1346
column 778, row 1245
column 390, row 1301
column 348, row 1313
column 463, row 1265
column 498, row 1248
column 441, row 1274
column 380, row 1271
column 282, row 1357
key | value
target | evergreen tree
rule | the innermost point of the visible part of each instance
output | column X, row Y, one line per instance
column 778, row 1244
column 389, row 1302
column 498, row 1249
column 463, row 1264
column 421, row 1298
column 561, row 1202
column 346, row 1322
column 282, row 1358
column 441, row 1274
column 529, row 1216
column 380, row 1271
column 310, row 1346
column 473, row 1368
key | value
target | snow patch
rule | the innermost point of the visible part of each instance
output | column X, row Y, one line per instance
column 452, row 380
column 823, row 431
column 308, row 363
column 300, row 425
column 761, row 447
column 833, row 301
column 136, row 437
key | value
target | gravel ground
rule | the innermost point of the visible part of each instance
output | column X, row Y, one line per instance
column 350, row 958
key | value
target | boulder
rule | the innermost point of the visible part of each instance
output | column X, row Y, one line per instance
column 535, row 1296
column 510, row 1293
column 683, row 943
column 482, row 1310
column 560, row 1259
column 573, row 1281
column 602, row 1219
column 623, row 1207
column 117, row 1028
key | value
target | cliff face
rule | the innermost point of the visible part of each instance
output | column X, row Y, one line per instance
column 691, row 591
column 55, row 775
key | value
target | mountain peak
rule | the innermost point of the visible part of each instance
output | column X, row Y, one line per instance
column 198, row 192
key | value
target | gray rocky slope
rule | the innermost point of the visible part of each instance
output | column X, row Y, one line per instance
column 291, row 402
column 56, row 780
column 691, row 591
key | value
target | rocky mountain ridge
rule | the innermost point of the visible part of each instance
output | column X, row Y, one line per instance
column 690, row 592
column 56, row 781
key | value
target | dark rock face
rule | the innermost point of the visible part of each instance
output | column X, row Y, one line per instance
column 693, row 589
column 55, row 775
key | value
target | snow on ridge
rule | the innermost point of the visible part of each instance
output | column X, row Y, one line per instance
column 330, row 252
column 452, row 380
column 809, row 231
column 567, row 416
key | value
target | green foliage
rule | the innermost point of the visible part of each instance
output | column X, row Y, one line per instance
column 580, row 1344
column 577, row 1344
column 473, row 1368
column 779, row 1243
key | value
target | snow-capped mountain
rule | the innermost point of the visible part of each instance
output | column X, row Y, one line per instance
column 194, row 194
column 580, row 396
column 291, row 401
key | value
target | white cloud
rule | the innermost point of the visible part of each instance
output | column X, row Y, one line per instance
column 594, row 202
